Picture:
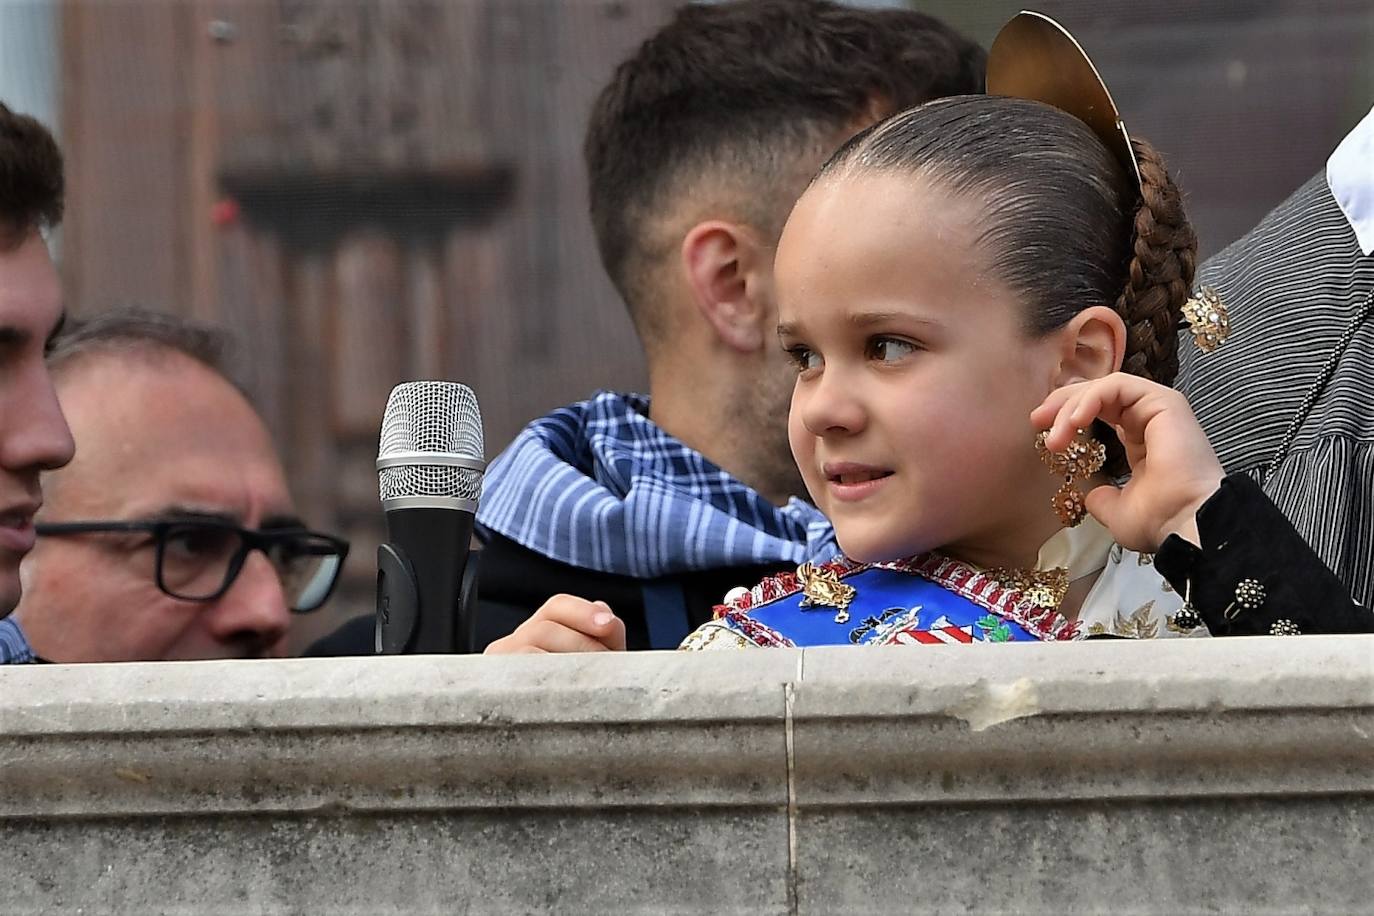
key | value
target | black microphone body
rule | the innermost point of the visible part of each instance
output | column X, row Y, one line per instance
column 434, row 543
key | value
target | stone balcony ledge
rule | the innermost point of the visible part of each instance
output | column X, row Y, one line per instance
column 1168, row 776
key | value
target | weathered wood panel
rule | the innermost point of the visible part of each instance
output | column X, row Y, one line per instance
column 125, row 131
column 411, row 204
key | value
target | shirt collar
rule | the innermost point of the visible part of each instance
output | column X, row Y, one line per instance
column 1350, row 175
column 1081, row 550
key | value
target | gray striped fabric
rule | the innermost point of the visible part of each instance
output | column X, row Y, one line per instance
column 1289, row 399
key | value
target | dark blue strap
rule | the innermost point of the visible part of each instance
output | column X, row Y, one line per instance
column 665, row 614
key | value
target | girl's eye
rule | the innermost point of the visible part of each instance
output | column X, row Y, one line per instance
column 890, row 349
column 804, row 358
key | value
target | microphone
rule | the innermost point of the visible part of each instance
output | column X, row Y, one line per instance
column 429, row 469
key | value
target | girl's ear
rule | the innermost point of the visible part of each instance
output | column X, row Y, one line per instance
column 1094, row 345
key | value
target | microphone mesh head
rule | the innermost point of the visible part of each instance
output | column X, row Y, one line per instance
column 438, row 417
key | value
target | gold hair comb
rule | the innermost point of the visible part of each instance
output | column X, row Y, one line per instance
column 1033, row 57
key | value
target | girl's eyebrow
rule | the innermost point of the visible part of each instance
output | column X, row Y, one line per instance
column 866, row 319
column 863, row 320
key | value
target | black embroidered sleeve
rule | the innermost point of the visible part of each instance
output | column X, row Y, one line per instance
column 1254, row 574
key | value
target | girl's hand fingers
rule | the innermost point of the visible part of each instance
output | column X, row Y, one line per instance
column 1126, row 402
column 591, row 617
column 1043, row 416
column 1079, row 413
column 566, row 623
column 1104, row 504
column 555, row 637
column 613, row 634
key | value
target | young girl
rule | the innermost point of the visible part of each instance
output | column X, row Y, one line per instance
column 956, row 280
column 946, row 273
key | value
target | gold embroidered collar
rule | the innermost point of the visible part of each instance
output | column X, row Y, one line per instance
column 1069, row 555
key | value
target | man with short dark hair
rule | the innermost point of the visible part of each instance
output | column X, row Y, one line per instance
column 33, row 434
column 696, row 151
column 172, row 534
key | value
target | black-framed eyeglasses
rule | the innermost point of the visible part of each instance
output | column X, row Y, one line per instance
column 199, row 559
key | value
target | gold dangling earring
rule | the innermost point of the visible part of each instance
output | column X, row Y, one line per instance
column 1083, row 458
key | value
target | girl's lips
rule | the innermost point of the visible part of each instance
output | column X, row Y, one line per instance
column 852, row 482
column 853, row 492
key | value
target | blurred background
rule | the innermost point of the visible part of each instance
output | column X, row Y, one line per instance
column 369, row 191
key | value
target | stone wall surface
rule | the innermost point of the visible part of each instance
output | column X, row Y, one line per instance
column 1153, row 777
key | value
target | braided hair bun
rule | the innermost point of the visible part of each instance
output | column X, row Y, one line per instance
column 1159, row 276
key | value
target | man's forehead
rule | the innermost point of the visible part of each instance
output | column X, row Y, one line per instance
column 163, row 433
column 201, row 484
column 178, row 383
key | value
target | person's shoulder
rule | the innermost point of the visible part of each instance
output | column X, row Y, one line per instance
column 512, row 567
column 560, row 441
column 515, row 581
column 601, row 405
column 1309, row 225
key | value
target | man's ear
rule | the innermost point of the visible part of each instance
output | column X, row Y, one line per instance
column 730, row 272
column 1094, row 345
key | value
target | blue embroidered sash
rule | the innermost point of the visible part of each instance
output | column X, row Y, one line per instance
column 926, row 600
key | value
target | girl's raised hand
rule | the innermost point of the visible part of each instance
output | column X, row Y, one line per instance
column 1173, row 467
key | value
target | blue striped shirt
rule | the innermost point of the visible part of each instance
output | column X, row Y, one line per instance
column 600, row 486
column 14, row 645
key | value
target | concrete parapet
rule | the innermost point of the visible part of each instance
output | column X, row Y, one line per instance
column 1170, row 776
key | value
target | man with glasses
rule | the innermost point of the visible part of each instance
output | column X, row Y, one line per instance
column 33, row 435
column 172, row 534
